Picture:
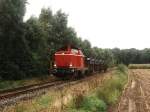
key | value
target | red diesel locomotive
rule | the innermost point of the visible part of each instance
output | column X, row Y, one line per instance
column 70, row 62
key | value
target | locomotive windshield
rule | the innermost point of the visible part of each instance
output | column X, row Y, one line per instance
column 74, row 51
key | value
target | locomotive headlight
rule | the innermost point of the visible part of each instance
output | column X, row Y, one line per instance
column 55, row 65
column 70, row 65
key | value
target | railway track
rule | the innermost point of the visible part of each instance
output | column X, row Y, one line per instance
column 3, row 93
column 17, row 91
column 11, row 96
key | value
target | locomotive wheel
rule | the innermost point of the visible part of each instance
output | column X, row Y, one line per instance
column 75, row 75
column 81, row 74
column 105, row 69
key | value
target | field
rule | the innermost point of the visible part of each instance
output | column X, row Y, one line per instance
column 139, row 66
column 135, row 97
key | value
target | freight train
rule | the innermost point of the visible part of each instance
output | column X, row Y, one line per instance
column 71, row 63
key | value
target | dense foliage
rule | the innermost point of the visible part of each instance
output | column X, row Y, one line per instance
column 27, row 48
column 15, row 56
column 133, row 56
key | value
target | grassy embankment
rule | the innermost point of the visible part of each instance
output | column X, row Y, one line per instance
column 139, row 66
column 10, row 84
column 94, row 95
column 102, row 97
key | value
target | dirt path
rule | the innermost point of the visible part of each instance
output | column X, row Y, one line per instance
column 136, row 97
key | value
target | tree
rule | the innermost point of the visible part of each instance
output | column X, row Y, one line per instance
column 15, row 56
column 117, row 55
column 38, row 45
column 86, row 47
column 59, row 28
column 108, row 57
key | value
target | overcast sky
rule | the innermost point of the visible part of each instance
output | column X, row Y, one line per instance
column 105, row 23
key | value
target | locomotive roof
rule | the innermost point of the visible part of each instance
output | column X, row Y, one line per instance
column 67, row 46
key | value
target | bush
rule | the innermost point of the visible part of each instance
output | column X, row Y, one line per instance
column 122, row 68
column 108, row 96
column 88, row 104
column 93, row 104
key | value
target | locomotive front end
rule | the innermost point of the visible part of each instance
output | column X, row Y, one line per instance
column 67, row 61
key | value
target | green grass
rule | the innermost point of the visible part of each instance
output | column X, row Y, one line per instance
column 139, row 66
column 10, row 84
column 44, row 101
column 104, row 96
column 37, row 105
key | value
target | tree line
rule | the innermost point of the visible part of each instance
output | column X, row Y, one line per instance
column 27, row 47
